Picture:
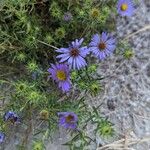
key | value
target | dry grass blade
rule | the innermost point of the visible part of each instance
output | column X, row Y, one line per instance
column 147, row 27
column 124, row 144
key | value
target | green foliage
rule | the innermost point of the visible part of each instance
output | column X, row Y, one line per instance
column 87, row 80
column 22, row 87
column 38, row 145
column 124, row 49
column 60, row 33
column 32, row 66
column 128, row 53
column 105, row 128
column 21, row 57
column 55, row 10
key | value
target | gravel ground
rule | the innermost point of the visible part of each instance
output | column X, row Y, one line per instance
column 128, row 84
column 127, row 88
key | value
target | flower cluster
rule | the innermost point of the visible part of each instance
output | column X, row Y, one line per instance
column 73, row 57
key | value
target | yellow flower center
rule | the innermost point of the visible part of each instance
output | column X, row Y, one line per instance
column 124, row 7
column 61, row 75
column 69, row 118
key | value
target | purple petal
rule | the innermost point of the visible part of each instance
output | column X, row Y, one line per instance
column 84, row 51
column 63, row 50
column 104, row 36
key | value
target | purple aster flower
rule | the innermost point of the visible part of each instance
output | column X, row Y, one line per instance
column 60, row 73
column 68, row 120
column 12, row 117
column 67, row 16
column 125, row 7
column 2, row 137
column 102, row 45
column 74, row 55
